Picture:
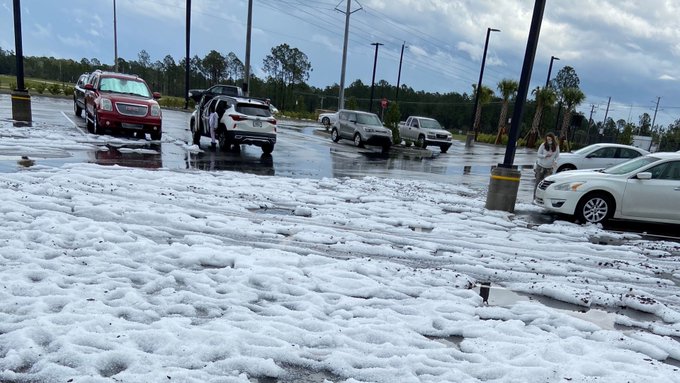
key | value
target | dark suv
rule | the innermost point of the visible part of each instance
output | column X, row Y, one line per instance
column 121, row 102
column 79, row 94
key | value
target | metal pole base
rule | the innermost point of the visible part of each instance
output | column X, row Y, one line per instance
column 503, row 188
column 21, row 107
column 470, row 139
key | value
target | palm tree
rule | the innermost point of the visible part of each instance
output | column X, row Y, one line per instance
column 545, row 97
column 508, row 89
column 572, row 97
column 485, row 97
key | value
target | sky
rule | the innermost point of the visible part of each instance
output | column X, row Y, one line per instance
column 122, row 274
column 625, row 50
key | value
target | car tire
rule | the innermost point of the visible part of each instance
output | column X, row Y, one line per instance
column 326, row 121
column 78, row 111
column 88, row 122
column 334, row 135
column 96, row 127
column 421, row 142
column 223, row 141
column 595, row 208
column 357, row 140
column 156, row 136
column 444, row 148
column 195, row 133
column 267, row 148
column 566, row 167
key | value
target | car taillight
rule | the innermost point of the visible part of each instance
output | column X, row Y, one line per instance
column 106, row 104
column 237, row 117
column 272, row 121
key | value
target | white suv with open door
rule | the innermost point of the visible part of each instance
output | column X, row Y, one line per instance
column 245, row 121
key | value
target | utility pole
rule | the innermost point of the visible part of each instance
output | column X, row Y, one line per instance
column 606, row 112
column 341, row 100
column 590, row 122
column 187, row 60
column 401, row 57
column 472, row 133
column 246, row 79
column 655, row 110
column 375, row 61
column 115, row 39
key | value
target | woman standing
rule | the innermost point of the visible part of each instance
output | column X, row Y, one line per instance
column 546, row 159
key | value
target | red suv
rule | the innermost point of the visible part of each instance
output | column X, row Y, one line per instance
column 121, row 102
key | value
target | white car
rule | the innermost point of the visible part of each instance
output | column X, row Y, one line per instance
column 245, row 121
column 328, row 119
column 646, row 188
column 598, row 156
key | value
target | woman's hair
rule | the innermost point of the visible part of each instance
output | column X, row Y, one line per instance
column 550, row 146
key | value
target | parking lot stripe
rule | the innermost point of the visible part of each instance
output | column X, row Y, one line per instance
column 73, row 122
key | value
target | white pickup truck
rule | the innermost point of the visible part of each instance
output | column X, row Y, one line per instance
column 425, row 132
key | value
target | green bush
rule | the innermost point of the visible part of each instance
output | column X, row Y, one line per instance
column 39, row 87
column 68, row 90
column 392, row 121
column 408, row 143
column 12, row 85
column 175, row 102
column 54, row 88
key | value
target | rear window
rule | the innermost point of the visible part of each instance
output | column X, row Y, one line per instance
column 254, row 110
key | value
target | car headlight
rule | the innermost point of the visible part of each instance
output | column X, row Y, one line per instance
column 570, row 186
column 155, row 110
column 106, row 104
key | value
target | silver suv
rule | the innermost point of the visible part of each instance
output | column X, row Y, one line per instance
column 361, row 127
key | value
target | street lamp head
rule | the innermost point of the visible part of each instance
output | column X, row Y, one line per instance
column 494, row 30
column 554, row 58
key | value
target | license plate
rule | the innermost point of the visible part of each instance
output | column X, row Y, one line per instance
column 257, row 124
column 125, row 125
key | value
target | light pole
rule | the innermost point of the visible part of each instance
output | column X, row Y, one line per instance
column 547, row 80
column 401, row 58
column 115, row 39
column 472, row 133
column 375, row 61
column 21, row 99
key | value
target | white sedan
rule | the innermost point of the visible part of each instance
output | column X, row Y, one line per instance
column 328, row 119
column 598, row 156
column 646, row 188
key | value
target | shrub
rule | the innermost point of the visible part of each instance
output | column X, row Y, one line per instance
column 68, row 90
column 39, row 87
column 54, row 88
column 408, row 143
column 12, row 85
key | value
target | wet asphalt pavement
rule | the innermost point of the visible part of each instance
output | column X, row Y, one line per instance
column 303, row 150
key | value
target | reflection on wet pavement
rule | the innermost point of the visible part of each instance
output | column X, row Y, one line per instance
column 146, row 156
column 240, row 161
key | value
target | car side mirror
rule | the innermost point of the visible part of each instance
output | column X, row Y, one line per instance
column 644, row 176
column 89, row 87
column 156, row 95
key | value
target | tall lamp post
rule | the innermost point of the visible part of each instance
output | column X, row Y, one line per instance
column 21, row 99
column 401, row 58
column 472, row 133
column 115, row 39
column 375, row 61
column 547, row 80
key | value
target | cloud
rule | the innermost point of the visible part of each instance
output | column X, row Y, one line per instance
column 666, row 77
column 417, row 51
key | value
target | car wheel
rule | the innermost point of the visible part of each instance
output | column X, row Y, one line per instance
column 564, row 168
column 595, row 208
column 267, row 148
column 156, row 136
column 335, row 136
column 195, row 133
column 96, row 128
column 421, row 142
column 326, row 121
column 223, row 141
column 76, row 109
column 357, row 141
column 88, row 122
column 444, row 148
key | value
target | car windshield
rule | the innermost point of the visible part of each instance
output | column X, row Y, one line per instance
column 631, row 165
column 430, row 124
column 125, row 86
column 368, row 119
column 254, row 110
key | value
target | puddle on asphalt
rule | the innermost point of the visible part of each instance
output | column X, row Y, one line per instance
column 296, row 374
column 273, row 210
column 602, row 317
column 418, row 229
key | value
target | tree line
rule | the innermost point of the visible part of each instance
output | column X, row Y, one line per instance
column 287, row 71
